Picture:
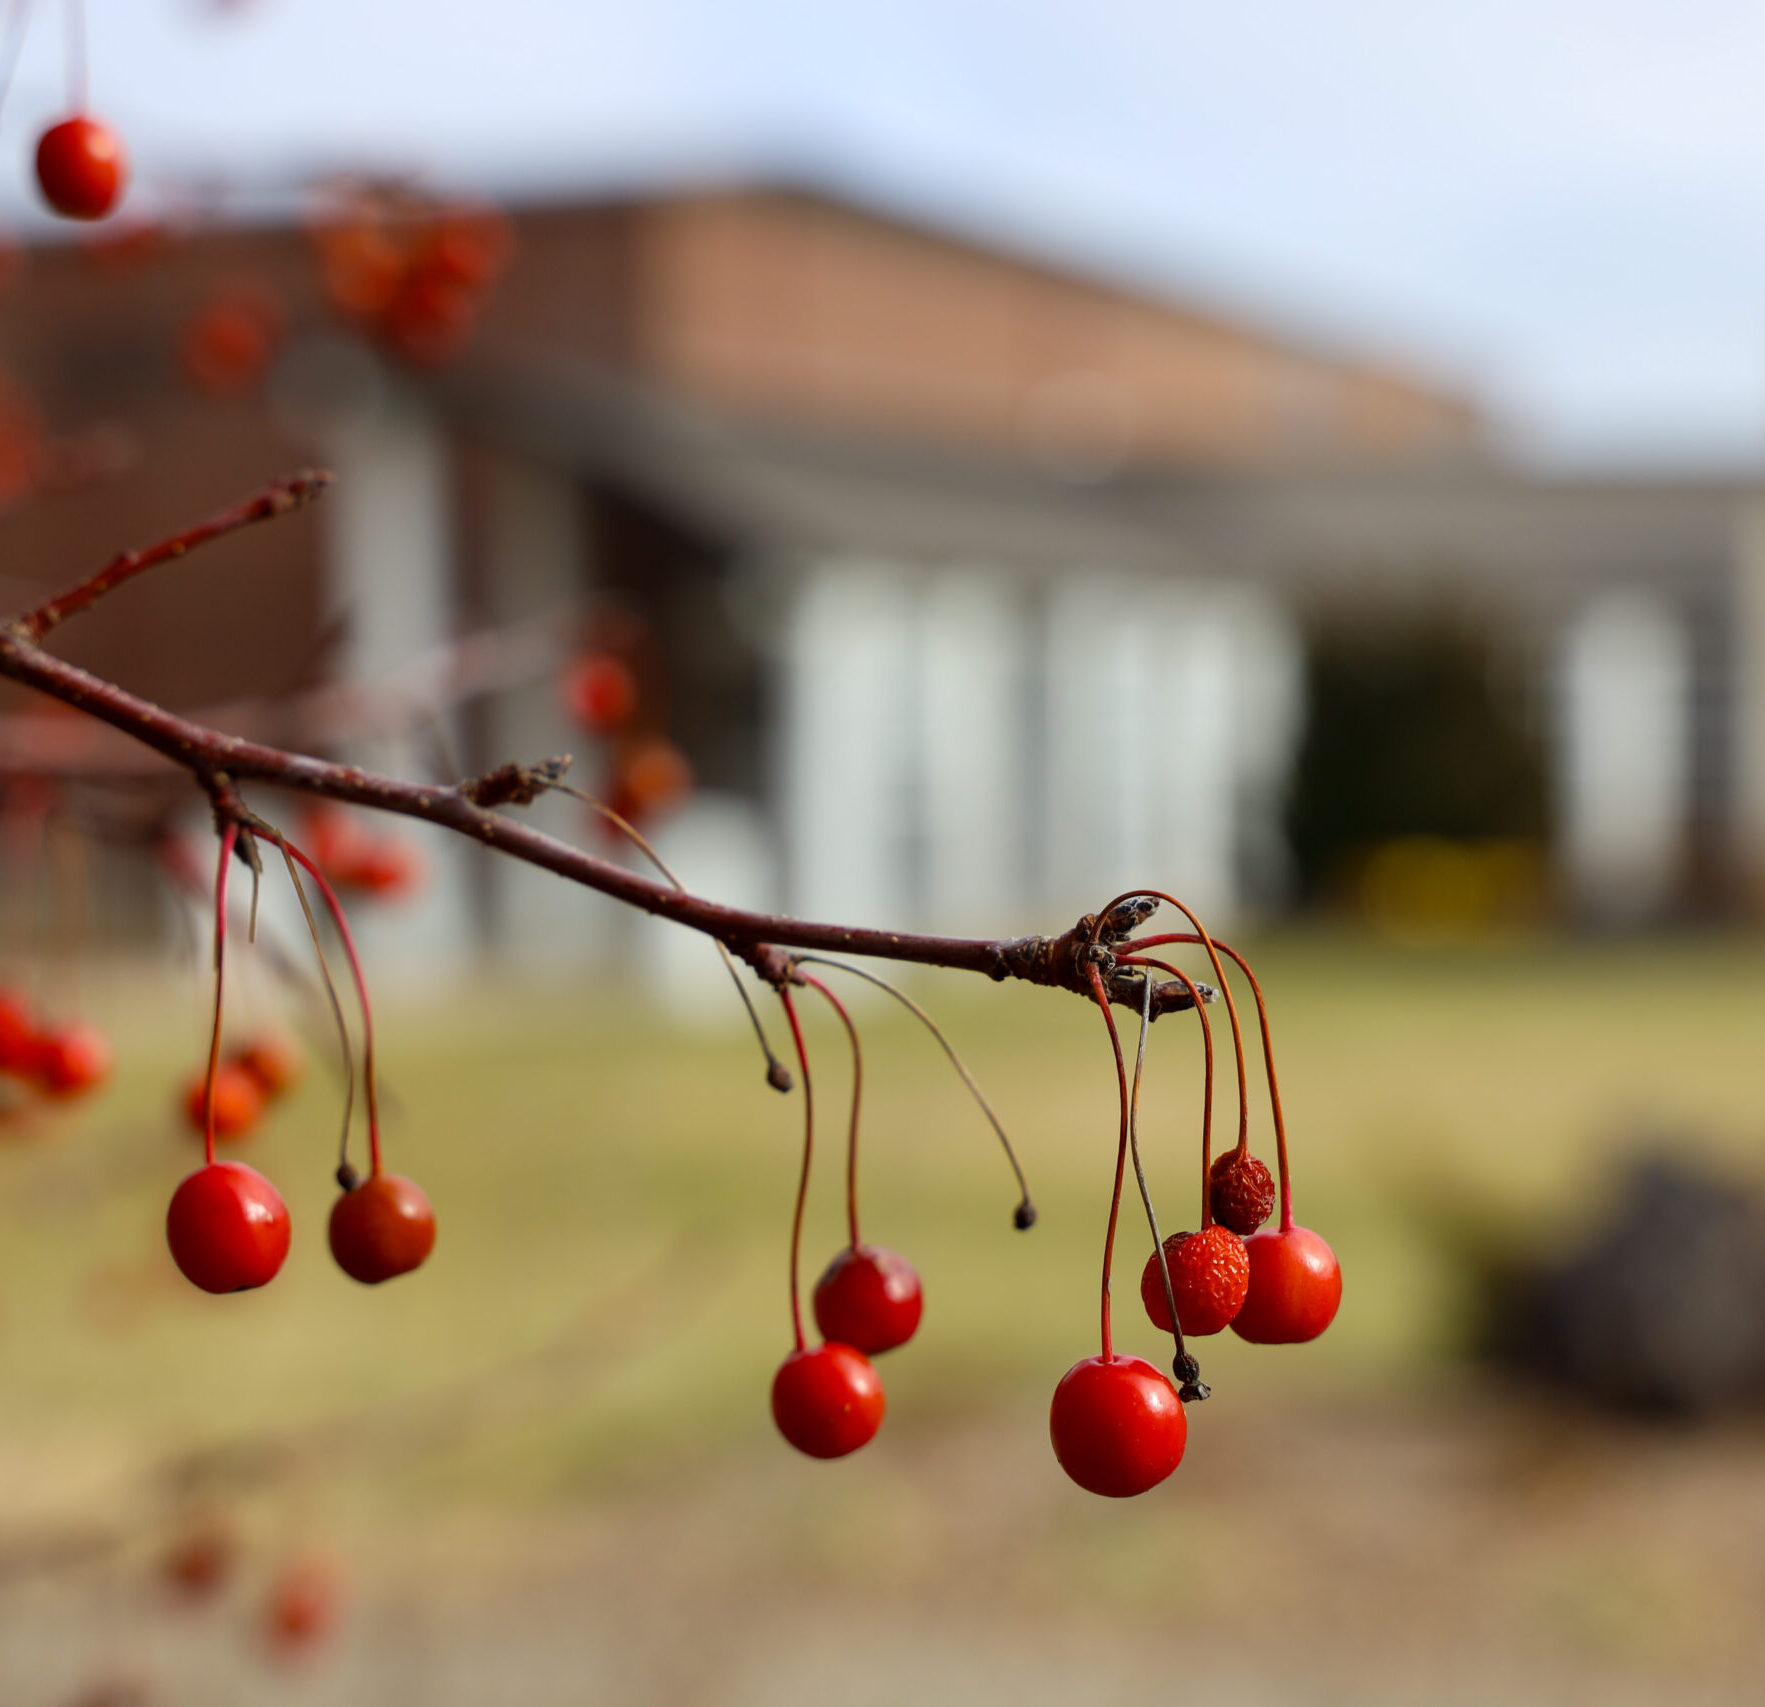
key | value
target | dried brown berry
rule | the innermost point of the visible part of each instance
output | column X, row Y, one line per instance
column 1241, row 1192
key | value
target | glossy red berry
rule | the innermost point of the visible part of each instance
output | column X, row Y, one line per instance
column 81, row 168
column 868, row 1298
column 238, row 1102
column 382, row 1228
column 1295, row 1287
column 71, row 1061
column 1210, row 1274
column 1118, row 1426
column 228, row 1228
column 1241, row 1192
column 827, row 1400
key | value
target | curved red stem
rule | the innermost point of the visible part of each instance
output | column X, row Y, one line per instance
column 1219, row 972
column 839, row 1008
column 1207, row 1083
column 329, row 896
column 790, row 1014
column 1121, row 1158
column 1268, row 1056
column 229, row 839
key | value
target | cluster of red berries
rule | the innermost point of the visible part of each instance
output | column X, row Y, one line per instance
column 57, row 1061
column 1117, row 1423
column 246, row 1081
column 227, row 1225
column 81, row 167
column 360, row 861
column 411, row 273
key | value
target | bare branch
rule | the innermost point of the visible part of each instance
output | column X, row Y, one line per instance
column 219, row 762
column 276, row 499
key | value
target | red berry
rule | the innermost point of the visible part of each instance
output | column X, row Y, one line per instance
column 71, row 1061
column 81, row 168
column 1210, row 1274
column 200, row 1563
column 18, row 1034
column 227, row 1227
column 274, row 1061
column 238, row 1101
column 1295, row 1286
column 382, row 1228
column 388, row 868
column 827, row 1400
column 868, row 1298
column 304, row 1604
column 600, row 692
column 1118, row 1426
column 1241, row 1192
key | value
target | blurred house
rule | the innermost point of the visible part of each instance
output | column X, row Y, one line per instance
column 974, row 589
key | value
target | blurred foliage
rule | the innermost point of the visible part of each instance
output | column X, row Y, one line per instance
column 1409, row 735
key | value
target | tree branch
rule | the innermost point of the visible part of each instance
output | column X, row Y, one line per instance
column 276, row 499
column 219, row 762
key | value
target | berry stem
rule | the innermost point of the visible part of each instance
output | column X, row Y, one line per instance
column 839, row 1008
column 1207, row 1091
column 790, row 1014
column 1024, row 1217
column 312, row 925
column 329, row 896
column 1182, row 1364
column 1219, row 972
column 229, row 837
column 777, row 1074
column 1121, row 1157
column 1268, row 1056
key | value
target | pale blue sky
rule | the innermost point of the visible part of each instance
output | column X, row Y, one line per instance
column 1561, row 201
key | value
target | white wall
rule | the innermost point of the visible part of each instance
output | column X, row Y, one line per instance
column 389, row 546
column 536, row 562
column 1625, row 754
column 846, row 743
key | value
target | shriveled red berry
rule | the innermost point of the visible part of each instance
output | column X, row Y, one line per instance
column 382, row 1228
column 1210, row 1274
column 1295, row 1287
column 1241, row 1192
column 227, row 1227
column 238, row 1102
column 71, row 1061
column 1117, row 1425
column 81, row 168
column 868, row 1298
column 274, row 1061
column 827, row 1400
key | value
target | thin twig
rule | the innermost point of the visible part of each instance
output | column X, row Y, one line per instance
column 778, row 1075
column 1024, row 1216
column 276, row 499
